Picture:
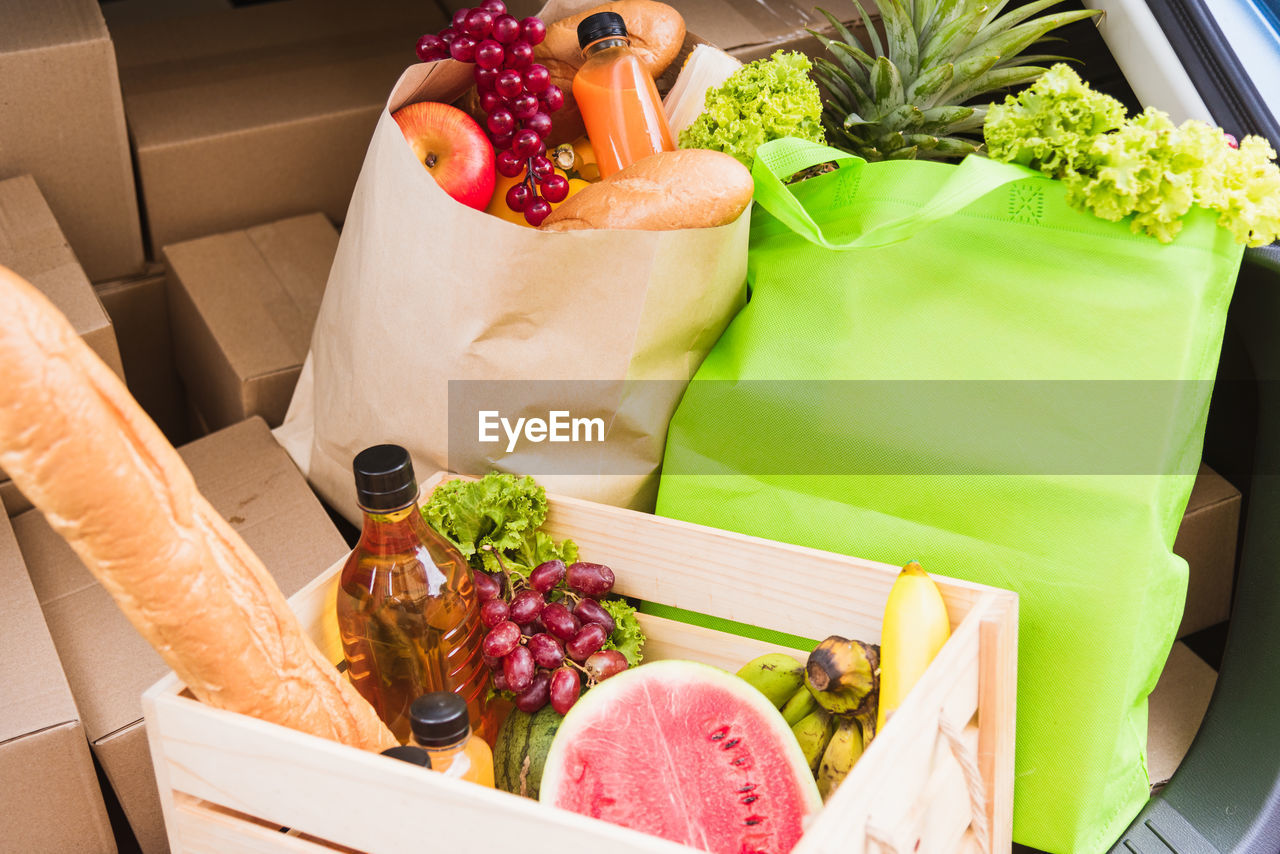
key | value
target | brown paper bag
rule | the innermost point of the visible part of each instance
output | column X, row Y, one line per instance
column 435, row 312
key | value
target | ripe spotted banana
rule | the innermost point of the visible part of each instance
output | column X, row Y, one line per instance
column 915, row 628
column 842, row 675
column 843, row 750
column 776, row 675
column 813, row 732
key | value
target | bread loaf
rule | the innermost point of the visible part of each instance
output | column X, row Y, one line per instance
column 79, row 447
column 693, row 188
column 656, row 32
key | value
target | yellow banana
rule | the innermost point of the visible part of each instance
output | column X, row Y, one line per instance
column 776, row 675
column 801, row 704
column 813, row 732
column 838, row 759
column 915, row 628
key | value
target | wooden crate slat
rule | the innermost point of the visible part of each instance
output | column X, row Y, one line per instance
column 345, row 795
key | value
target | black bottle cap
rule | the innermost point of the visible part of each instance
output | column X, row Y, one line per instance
column 600, row 25
column 384, row 478
column 409, row 753
column 439, row 719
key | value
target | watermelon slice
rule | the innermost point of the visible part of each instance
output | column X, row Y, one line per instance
column 687, row 752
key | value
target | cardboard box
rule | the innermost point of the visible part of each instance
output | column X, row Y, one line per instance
column 250, row 480
column 746, row 30
column 139, row 311
column 1207, row 540
column 64, row 124
column 242, row 306
column 119, row 13
column 1175, row 710
column 52, row 802
column 33, row 246
column 261, row 112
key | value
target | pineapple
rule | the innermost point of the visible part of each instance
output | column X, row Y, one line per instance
column 904, row 96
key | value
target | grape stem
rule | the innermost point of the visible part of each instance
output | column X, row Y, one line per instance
column 507, row 582
column 591, row 680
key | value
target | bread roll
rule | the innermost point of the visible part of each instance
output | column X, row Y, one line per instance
column 656, row 32
column 692, row 188
column 79, row 447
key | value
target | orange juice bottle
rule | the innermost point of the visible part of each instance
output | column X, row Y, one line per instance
column 617, row 97
column 442, row 728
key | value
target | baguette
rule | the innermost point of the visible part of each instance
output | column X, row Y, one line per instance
column 691, row 188
column 79, row 447
column 656, row 32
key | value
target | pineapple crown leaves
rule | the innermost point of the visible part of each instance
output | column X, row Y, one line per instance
column 902, row 95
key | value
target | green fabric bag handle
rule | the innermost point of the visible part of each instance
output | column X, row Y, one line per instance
column 974, row 178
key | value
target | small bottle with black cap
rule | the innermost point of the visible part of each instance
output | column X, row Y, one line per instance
column 407, row 608
column 617, row 97
column 441, row 727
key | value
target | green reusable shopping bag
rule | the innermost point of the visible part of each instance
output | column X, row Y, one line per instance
column 950, row 364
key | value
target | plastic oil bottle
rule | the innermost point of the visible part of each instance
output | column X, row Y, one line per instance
column 441, row 727
column 617, row 97
column 407, row 609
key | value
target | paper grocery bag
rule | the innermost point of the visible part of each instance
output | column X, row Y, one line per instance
column 435, row 313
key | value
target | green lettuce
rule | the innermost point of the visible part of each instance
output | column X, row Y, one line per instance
column 1144, row 167
column 494, row 522
column 762, row 101
column 1052, row 125
column 627, row 638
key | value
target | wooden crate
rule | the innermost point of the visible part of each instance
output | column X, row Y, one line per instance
column 938, row 778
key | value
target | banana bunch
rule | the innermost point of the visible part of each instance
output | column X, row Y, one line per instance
column 830, row 738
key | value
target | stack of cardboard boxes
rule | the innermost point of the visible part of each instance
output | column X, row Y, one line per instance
column 198, row 278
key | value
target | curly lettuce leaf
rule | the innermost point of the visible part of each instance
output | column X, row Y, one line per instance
column 1051, row 125
column 762, row 101
column 627, row 638
column 1144, row 167
column 494, row 522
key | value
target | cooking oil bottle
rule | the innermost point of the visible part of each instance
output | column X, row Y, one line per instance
column 406, row 605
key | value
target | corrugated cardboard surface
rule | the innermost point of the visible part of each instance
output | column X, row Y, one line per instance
column 261, row 112
column 33, row 246
column 63, row 122
column 242, row 306
column 755, row 30
column 749, row 30
column 249, row 479
column 51, row 800
column 139, row 311
column 1176, row 708
column 126, row 12
column 1207, row 541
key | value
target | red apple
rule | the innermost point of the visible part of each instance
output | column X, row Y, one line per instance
column 453, row 147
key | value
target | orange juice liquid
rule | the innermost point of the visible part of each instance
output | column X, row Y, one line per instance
column 620, row 107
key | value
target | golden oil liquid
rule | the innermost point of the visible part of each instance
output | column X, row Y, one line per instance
column 410, row 621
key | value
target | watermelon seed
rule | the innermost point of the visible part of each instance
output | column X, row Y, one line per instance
column 741, row 760
column 750, row 799
column 730, row 744
column 746, row 787
column 753, row 820
column 719, row 734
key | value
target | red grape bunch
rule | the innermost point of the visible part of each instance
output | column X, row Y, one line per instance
column 546, row 632
column 516, row 94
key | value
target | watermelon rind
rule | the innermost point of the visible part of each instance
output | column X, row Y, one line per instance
column 602, row 695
